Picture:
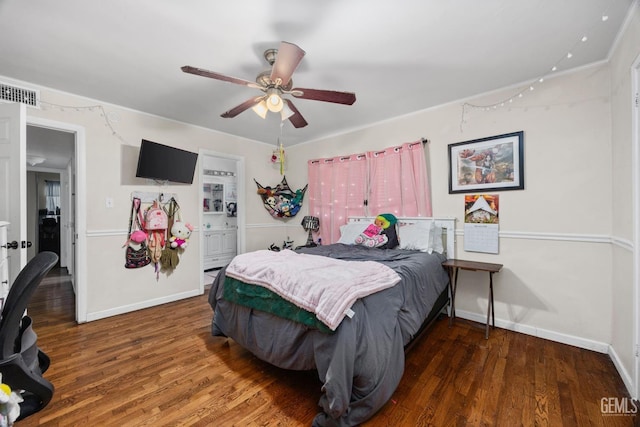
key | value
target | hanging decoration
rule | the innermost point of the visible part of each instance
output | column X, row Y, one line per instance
column 179, row 233
column 157, row 234
column 278, row 157
column 136, row 255
column 281, row 201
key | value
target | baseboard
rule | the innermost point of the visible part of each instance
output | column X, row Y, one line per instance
column 585, row 343
column 626, row 377
column 141, row 305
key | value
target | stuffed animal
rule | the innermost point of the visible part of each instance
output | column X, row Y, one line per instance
column 180, row 232
column 9, row 404
column 373, row 235
column 137, row 238
column 285, row 208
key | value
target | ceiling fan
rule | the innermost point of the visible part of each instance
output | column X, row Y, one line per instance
column 275, row 83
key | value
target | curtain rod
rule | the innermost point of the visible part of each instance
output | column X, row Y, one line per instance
column 423, row 140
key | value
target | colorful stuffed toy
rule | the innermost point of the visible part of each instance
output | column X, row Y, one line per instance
column 9, row 405
column 180, row 233
column 281, row 201
column 374, row 235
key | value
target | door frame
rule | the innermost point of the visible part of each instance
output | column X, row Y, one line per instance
column 241, row 215
column 79, row 181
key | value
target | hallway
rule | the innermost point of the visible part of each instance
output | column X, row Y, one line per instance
column 53, row 303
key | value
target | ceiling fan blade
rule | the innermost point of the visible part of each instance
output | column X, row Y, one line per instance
column 347, row 98
column 296, row 120
column 242, row 107
column 206, row 73
column 287, row 60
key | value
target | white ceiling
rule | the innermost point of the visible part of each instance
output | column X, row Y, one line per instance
column 398, row 57
column 55, row 147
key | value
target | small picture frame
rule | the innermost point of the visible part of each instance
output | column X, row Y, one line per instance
column 495, row 163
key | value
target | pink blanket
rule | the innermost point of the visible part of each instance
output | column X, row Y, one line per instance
column 325, row 286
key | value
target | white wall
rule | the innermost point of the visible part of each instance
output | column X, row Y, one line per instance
column 623, row 326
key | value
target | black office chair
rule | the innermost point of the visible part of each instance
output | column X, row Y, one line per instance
column 23, row 363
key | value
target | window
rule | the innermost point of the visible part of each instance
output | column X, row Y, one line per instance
column 393, row 180
column 52, row 196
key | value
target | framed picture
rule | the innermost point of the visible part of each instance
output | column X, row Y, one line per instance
column 495, row 163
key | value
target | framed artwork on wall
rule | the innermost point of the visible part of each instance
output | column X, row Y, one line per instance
column 495, row 163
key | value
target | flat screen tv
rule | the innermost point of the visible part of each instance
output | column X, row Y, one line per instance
column 165, row 163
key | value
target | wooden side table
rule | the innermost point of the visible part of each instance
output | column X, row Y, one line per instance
column 453, row 265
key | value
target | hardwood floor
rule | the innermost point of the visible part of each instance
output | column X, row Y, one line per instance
column 161, row 367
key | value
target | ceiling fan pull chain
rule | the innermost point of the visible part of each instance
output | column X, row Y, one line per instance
column 281, row 149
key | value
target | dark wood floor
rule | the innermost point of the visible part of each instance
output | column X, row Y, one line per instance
column 161, row 367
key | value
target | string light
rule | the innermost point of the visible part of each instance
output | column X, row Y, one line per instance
column 109, row 118
column 531, row 86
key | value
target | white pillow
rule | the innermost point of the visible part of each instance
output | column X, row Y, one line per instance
column 437, row 245
column 417, row 237
column 349, row 232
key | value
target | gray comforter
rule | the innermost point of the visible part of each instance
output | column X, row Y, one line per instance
column 361, row 364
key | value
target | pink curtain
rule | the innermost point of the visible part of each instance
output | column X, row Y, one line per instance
column 398, row 181
column 337, row 188
column 393, row 180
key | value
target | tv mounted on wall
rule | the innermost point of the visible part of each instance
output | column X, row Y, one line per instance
column 165, row 163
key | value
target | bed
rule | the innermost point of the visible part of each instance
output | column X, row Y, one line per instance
column 361, row 362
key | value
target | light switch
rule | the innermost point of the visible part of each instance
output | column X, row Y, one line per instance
column 108, row 202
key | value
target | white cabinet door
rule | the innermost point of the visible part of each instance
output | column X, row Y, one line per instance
column 213, row 242
column 229, row 241
column 220, row 247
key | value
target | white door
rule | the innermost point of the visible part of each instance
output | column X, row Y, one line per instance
column 635, row 173
column 13, row 186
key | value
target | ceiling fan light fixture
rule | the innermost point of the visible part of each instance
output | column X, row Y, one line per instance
column 274, row 102
column 261, row 109
column 35, row 160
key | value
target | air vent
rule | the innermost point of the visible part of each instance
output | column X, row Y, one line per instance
column 19, row 94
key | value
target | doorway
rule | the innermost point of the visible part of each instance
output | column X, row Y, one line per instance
column 56, row 150
column 222, row 214
column 45, row 213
